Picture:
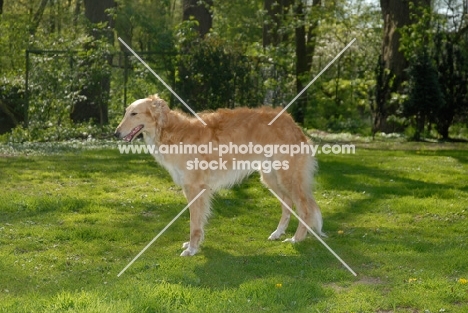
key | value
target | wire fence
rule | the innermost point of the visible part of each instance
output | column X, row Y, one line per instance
column 55, row 80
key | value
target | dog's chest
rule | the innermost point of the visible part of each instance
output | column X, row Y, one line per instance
column 176, row 174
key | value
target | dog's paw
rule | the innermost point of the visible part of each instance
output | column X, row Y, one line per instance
column 275, row 235
column 291, row 240
column 189, row 252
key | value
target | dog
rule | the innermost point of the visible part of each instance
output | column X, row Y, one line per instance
column 289, row 175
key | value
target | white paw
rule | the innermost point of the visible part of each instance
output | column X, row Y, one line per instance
column 188, row 252
column 291, row 240
column 275, row 235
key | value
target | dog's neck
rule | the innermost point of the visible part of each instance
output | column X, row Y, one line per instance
column 175, row 121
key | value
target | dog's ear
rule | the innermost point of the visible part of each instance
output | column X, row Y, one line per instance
column 158, row 109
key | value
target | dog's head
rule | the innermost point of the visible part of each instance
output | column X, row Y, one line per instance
column 145, row 116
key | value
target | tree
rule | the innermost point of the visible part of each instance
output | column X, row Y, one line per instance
column 425, row 98
column 276, row 11
column 199, row 11
column 452, row 64
column 11, row 104
column 37, row 17
column 293, row 19
column 438, row 42
column 396, row 14
column 305, row 46
column 94, row 95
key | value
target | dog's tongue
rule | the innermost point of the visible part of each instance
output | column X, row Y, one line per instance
column 129, row 137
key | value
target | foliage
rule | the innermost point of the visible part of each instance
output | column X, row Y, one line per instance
column 55, row 78
column 340, row 97
column 418, row 37
column 438, row 92
column 55, row 84
column 12, row 103
column 238, row 22
column 13, row 40
column 452, row 65
column 212, row 74
column 228, row 68
column 51, row 133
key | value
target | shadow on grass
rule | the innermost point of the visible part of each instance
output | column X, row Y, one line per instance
column 372, row 185
column 375, row 182
column 297, row 278
column 460, row 155
column 226, row 270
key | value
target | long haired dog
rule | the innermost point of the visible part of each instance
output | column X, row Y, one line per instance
column 289, row 176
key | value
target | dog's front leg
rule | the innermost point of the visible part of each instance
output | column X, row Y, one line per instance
column 199, row 211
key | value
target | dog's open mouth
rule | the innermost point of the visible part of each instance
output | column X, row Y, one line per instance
column 133, row 133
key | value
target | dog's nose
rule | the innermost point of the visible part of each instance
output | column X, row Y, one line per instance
column 117, row 134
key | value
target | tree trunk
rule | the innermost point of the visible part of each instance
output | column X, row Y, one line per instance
column 377, row 106
column 443, row 130
column 396, row 14
column 201, row 12
column 76, row 13
column 305, row 47
column 302, row 68
column 420, row 121
column 37, row 17
column 94, row 103
column 6, row 110
column 276, row 10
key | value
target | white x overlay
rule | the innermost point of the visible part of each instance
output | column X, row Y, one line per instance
column 203, row 122
column 162, row 81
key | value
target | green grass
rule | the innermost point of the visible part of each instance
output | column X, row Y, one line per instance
column 72, row 217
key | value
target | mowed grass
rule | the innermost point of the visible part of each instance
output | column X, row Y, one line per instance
column 72, row 219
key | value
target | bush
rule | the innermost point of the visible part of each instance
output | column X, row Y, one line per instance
column 12, row 102
column 212, row 74
column 49, row 132
column 425, row 98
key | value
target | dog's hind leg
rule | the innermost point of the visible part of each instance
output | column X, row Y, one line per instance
column 299, row 185
column 309, row 212
column 270, row 180
column 199, row 211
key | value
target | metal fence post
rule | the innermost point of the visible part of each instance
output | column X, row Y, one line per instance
column 26, row 91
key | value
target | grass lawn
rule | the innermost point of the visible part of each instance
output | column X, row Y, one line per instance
column 72, row 217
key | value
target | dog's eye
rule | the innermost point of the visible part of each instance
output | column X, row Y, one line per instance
column 133, row 114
